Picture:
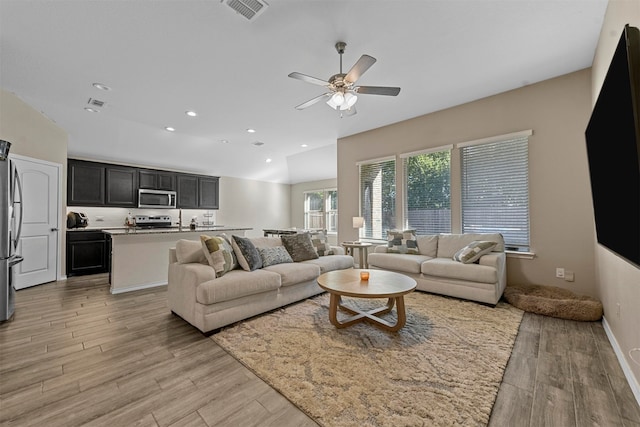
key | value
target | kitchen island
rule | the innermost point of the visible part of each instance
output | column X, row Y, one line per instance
column 140, row 257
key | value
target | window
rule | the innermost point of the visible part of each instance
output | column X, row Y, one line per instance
column 495, row 188
column 427, row 207
column 378, row 197
column 321, row 210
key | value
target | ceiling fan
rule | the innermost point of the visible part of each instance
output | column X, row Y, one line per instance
column 343, row 93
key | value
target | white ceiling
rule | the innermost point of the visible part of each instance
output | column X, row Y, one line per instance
column 163, row 57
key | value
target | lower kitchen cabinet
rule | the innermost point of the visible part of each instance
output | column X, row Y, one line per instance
column 88, row 252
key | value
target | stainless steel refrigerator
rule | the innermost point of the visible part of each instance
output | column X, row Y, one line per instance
column 10, row 227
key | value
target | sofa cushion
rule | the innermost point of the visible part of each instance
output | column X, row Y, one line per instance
column 473, row 251
column 321, row 244
column 449, row 244
column 294, row 273
column 299, row 246
column 331, row 263
column 428, row 245
column 247, row 254
column 274, row 255
column 398, row 262
column 219, row 254
column 188, row 251
column 447, row 268
column 236, row 284
column 402, row 242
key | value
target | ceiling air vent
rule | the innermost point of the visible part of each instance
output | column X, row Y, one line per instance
column 250, row 9
column 96, row 102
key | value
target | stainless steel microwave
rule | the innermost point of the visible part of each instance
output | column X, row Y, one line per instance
column 156, row 199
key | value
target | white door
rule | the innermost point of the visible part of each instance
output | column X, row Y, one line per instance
column 39, row 239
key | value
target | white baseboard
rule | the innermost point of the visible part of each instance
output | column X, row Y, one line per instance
column 633, row 382
column 137, row 288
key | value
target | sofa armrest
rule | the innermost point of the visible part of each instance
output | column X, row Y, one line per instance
column 338, row 250
column 380, row 249
column 182, row 285
column 498, row 260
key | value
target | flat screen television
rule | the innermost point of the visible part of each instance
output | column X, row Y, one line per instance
column 613, row 150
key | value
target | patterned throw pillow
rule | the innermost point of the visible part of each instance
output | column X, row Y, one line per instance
column 402, row 242
column 299, row 246
column 321, row 244
column 219, row 254
column 473, row 251
column 248, row 256
column 274, row 255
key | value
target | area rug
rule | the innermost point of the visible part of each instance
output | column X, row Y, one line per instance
column 443, row 368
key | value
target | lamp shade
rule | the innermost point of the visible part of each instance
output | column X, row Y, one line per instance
column 358, row 222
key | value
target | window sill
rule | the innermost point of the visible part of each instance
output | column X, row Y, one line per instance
column 520, row 254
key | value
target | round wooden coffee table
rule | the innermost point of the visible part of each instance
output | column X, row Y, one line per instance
column 381, row 284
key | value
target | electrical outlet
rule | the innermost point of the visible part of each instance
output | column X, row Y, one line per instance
column 560, row 273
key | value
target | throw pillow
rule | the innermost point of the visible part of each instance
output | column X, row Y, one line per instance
column 473, row 251
column 247, row 254
column 321, row 244
column 274, row 255
column 299, row 246
column 219, row 254
column 402, row 242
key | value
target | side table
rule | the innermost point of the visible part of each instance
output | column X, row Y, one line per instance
column 363, row 248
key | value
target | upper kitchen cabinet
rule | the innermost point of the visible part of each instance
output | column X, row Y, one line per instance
column 156, row 180
column 197, row 192
column 122, row 186
column 85, row 183
column 208, row 192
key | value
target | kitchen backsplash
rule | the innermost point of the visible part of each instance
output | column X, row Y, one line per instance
column 115, row 217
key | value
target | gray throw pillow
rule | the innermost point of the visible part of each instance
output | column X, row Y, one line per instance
column 274, row 255
column 473, row 251
column 402, row 242
column 321, row 244
column 299, row 246
column 246, row 252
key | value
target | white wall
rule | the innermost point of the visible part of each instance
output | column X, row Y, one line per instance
column 618, row 281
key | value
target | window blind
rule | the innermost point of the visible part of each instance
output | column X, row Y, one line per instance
column 377, row 197
column 495, row 189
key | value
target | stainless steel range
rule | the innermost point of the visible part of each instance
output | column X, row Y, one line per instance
column 153, row 221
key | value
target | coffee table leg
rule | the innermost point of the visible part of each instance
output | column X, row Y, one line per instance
column 335, row 302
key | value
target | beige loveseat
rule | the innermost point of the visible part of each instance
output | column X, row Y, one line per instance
column 209, row 302
column 435, row 270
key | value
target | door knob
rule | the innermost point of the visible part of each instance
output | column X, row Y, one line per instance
column 54, row 229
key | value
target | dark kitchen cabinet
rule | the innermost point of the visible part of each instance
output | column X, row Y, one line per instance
column 88, row 252
column 208, row 192
column 85, row 183
column 122, row 186
column 198, row 192
column 156, row 180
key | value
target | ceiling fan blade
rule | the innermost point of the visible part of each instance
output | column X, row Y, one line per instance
column 358, row 69
column 378, row 90
column 313, row 101
column 308, row 79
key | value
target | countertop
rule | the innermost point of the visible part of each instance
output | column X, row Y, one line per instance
column 122, row 231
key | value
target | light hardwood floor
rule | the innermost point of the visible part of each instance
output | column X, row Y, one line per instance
column 74, row 355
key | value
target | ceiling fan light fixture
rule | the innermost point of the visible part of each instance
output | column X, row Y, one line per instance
column 350, row 100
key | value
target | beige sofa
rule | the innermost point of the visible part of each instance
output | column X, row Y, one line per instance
column 209, row 302
column 435, row 270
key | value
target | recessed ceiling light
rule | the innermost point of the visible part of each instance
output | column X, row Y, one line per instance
column 304, row 145
column 170, row 129
column 224, row 141
column 91, row 110
column 191, row 113
column 258, row 143
column 268, row 160
column 251, row 130
column 101, row 86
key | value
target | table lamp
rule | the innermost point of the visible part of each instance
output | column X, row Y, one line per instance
column 358, row 223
